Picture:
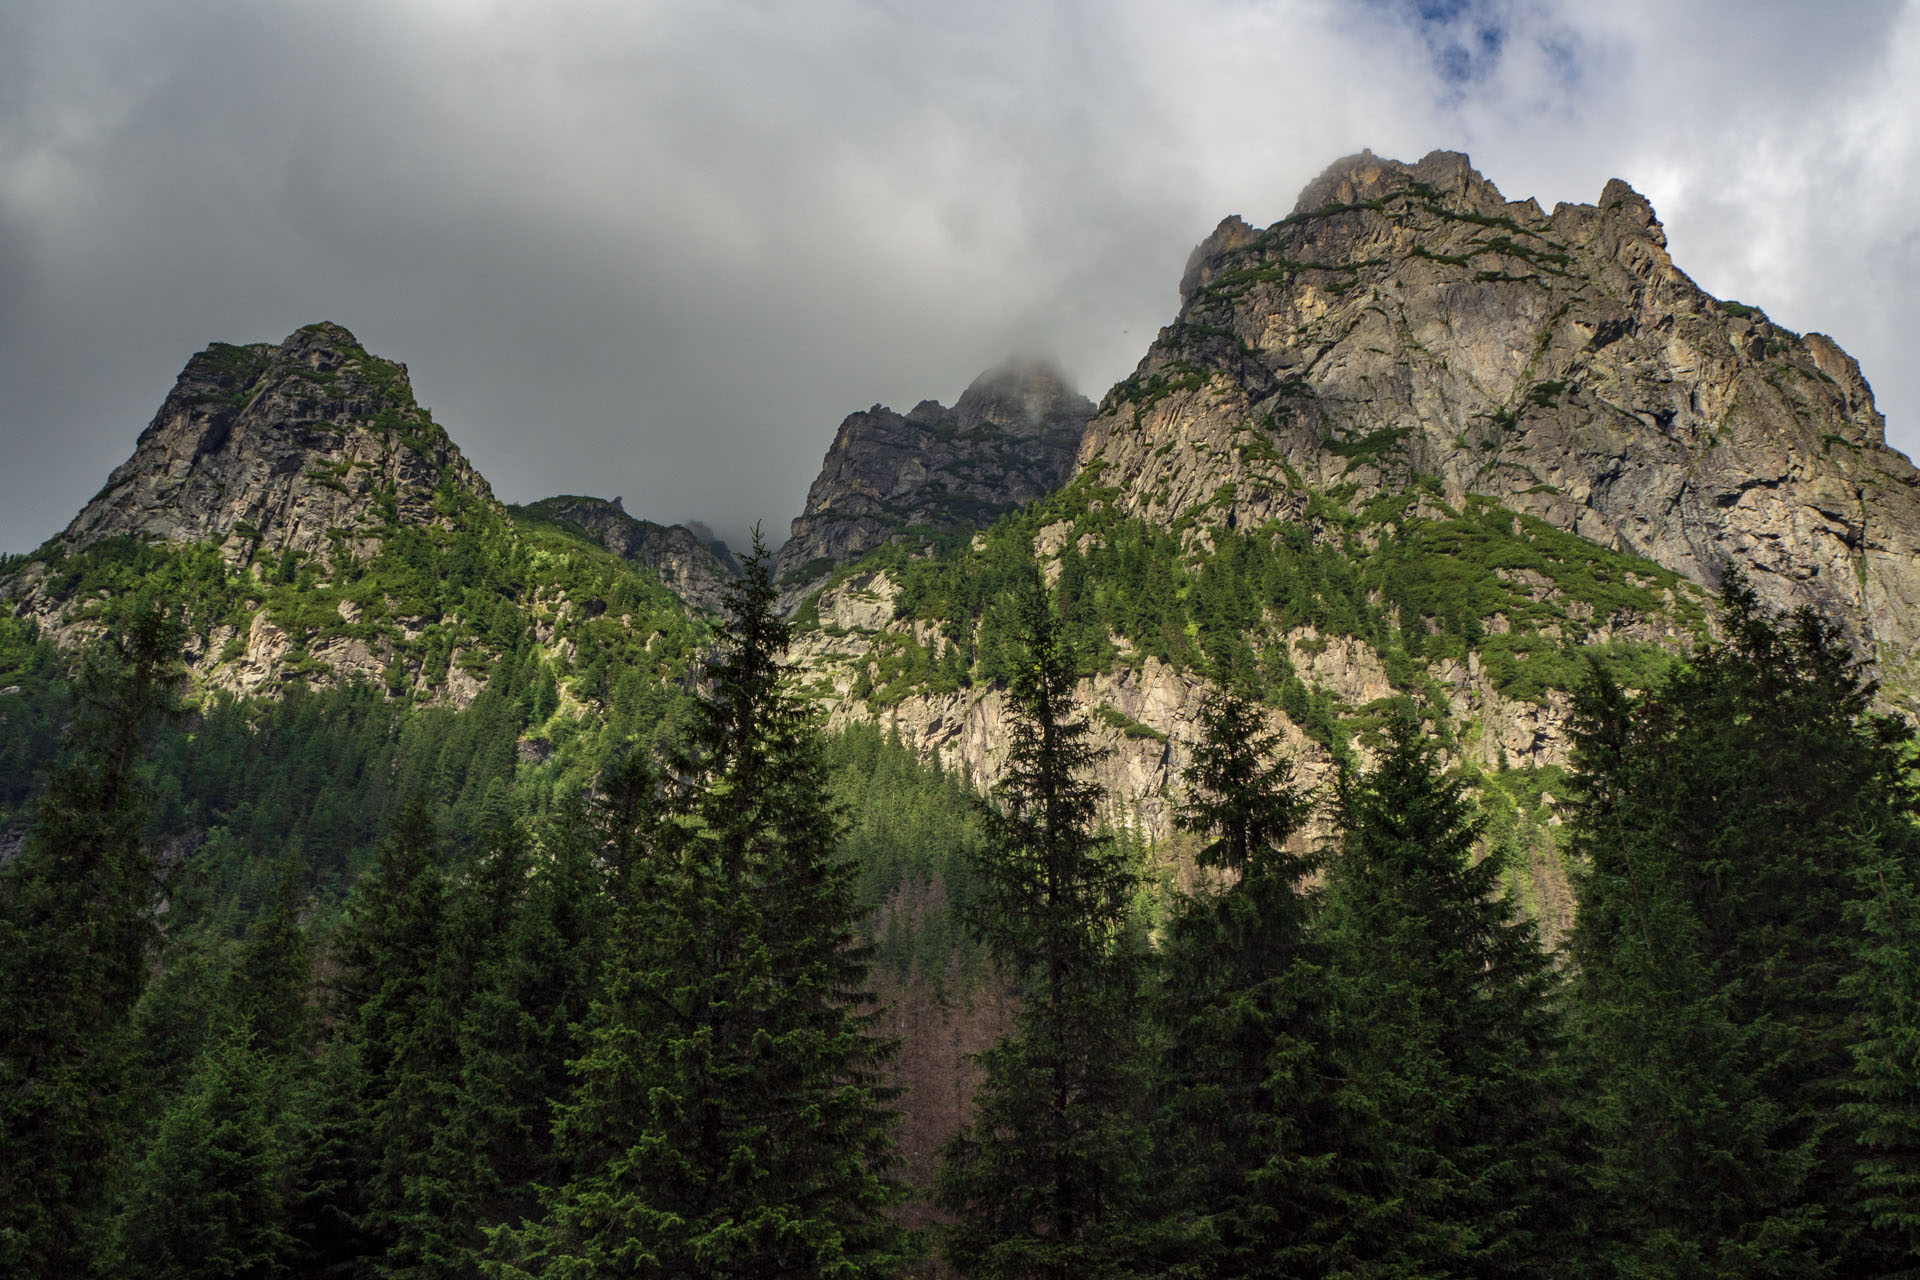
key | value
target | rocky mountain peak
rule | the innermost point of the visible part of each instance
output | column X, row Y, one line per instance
column 1025, row 396
column 322, row 347
column 695, row 568
column 1409, row 330
column 331, row 533
column 1447, row 178
column 1233, row 233
column 1012, row 436
column 307, row 444
column 1623, row 204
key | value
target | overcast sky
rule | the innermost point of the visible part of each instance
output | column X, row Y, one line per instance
column 660, row 249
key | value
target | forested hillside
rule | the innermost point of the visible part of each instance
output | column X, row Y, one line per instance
column 1331, row 832
column 401, row 1009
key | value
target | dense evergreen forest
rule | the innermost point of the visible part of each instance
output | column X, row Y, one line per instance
column 335, row 985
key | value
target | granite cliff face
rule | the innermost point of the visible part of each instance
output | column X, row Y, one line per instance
column 309, row 445
column 695, row 570
column 1011, row 437
column 1408, row 322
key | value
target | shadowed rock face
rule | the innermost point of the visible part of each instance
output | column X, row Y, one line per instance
column 1408, row 322
column 1010, row 438
column 298, row 445
column 697, row 571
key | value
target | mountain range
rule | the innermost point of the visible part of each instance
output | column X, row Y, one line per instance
column 1413, row 441
column 1414, row 449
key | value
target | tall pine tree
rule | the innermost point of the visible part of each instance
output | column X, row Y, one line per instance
column 77, row 932
column 207, row 1198
column 206, row 1201
column 1452, row 1155
column 400, row 1047
column 1049, row 1178
column 1739, row 824
column 1884, row 1113
column 728, row 1116
column 533, row 929
column 1240, row 1115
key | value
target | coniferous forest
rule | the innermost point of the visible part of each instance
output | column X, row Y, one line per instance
column 395, row 1014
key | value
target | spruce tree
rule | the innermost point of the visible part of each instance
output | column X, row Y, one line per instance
column 77, row 931
column 329, row 1166
column 1884, row 1113
column 1451, row 1154
column 728, row 1116
column 1739, row 826
column 207, row 1197
column 1239, row 1117
column 206, row 1200
column 401, row 1022
column 532, row 927
column 272, row 980
column 1048, row 1179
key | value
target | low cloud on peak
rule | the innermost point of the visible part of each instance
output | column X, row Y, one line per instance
column 661, row 249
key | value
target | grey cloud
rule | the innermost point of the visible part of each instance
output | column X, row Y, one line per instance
column 660, row 249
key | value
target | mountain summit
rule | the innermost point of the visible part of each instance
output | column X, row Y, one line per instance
column 1408, row 327
column 1010, row 438
column 316, row 526
column 299, row 446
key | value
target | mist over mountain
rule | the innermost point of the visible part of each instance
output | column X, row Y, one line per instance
column 1465, row 669
column 622, row 249
column 1009, row 438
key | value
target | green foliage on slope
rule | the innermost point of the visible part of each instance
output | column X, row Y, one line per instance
column 913, row 830
column 1368, row 1075
column 1420, row 583
column 469, row 589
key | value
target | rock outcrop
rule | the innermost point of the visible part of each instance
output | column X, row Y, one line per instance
column 1146, row 713
column 1408, row 322
column 1011, row 437
column 308, row 445
column 321, row 528
column 694, row 569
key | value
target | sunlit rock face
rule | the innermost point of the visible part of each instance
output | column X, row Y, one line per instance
column 1408, row 325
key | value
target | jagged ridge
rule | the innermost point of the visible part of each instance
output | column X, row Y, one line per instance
column 1407, row 321
column 1010, row 438
column 694, row 569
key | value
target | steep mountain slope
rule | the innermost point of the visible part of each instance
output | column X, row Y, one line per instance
column 1011, row 437
column 311, row 445
column 695, row 570
column 1407, row 321
column 1413, row 445
column 1478, row 617
column 319, row 527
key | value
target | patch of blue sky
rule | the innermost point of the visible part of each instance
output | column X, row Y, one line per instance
column 1463, row 38
column 1465, row 42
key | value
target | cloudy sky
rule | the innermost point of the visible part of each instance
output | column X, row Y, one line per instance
column 659, row 248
